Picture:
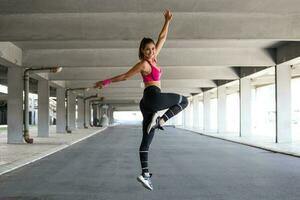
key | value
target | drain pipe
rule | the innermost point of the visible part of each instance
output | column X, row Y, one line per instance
column 55, row 69
column 84, row 111
column 68, row 130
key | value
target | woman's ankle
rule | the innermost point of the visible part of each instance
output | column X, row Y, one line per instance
column 161, row 122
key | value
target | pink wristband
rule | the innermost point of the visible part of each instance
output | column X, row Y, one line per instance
column 106, row 82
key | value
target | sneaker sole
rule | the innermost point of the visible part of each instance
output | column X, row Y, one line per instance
column 145, row 185
column 151, row 123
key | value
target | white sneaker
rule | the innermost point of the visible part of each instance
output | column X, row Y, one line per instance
column 146, row 181
column 152, row 123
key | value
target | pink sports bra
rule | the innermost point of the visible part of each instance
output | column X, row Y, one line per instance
column 154, row 75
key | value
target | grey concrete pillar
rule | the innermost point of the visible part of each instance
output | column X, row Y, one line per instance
column 15, row 106
column 196, row 112
column 178, row 119
column 108, row 113
column 99, row 112
column 60, row 110
column 111, row 115
column 185, row 117
column 191, row 114
column 201, row 114
column 95, row 114
column 87, row 113
column 222, row 109
column 283, row 104
column 245, row 107
column 72, row 110
column 206, row 112
column 80, row 111
column 43, row 108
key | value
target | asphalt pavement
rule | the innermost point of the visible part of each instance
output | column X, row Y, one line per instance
column 185, row 165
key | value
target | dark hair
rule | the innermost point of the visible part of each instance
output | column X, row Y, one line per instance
column 143, row 44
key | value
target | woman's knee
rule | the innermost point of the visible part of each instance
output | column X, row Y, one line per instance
column 185, row 102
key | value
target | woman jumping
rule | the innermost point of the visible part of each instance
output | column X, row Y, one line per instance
column 153, row 99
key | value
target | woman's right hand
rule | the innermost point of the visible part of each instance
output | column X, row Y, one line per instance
column 168, row 15
column 98, row 85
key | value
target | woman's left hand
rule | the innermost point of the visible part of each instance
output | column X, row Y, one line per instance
column 168, row 15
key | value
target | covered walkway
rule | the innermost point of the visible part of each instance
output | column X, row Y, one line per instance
column 237, row 62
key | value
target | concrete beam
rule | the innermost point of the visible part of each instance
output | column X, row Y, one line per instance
column 10, row 54
column 289, row 54
column 171, row 43
column 246, row 71
column 138, row 91
column 95, row 26
column 165, row 83
column 168, row 73
column 168, row 57
column 91, row 6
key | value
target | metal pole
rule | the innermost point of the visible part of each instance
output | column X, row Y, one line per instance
column 26, row 108
column 25, row 100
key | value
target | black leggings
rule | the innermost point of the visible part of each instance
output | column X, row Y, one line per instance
column 153, row 100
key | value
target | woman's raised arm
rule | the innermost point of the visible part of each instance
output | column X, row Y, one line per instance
column 164, row 32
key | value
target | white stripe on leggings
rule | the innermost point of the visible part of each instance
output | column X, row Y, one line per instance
column 180, row 106
column 180, row 99
column 172, row 112
column 166, row 116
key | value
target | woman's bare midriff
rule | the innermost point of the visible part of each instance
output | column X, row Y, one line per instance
column 151, row 83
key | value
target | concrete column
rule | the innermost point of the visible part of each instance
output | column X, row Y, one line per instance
column 108, row 114
column 283, row 104
column 201, row 114
column 185, row 117
column 87, row 113
column 15, row 106
column 60, row 110
column 43, row 108
column 222, row 109
column 206, row 111
column 111, row 115
column 95, row 113
column 99, row 111
column 196, row 112
column 190, row 114
column 179, row 119
column 80, row 111
column 245, row 107
column 72, row 110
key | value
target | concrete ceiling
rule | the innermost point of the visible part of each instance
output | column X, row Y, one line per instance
column 97, row 39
